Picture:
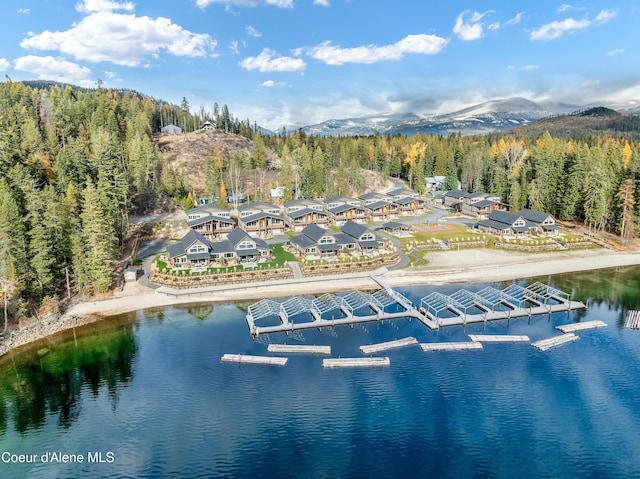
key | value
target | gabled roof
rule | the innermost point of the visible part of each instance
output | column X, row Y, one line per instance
column 456, row 194
column 260, row 205
column 503, row 217
column 259, row 216
column 498, row 225
column 314, row 232
column 483, row 203
column 344, row 238
column 400, row 192
column 211, row 209
column 377, row 204
column 304, row 212
column 238, row 235
column 206, row 219
column 405, row 200
column 533, row 216
column 371, row 195
column 302, row 202
column 344, row 207
column 185, row 243
column 303, row 241
column 354, row 229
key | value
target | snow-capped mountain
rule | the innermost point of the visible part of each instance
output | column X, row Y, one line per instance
column 485, row 117
column 366, row 125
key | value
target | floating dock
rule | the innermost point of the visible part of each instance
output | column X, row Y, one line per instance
column 572, row 328
column 398, row 343
column 355, row 362
column 453, row 346
column 298, row 348
column 545, row 344
column 633, row 320
column 244, row 358
column 501, row 338
column 434, row 310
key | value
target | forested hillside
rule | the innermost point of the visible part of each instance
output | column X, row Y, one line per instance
column 73, row 162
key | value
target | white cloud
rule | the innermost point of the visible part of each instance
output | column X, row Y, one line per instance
column 266, row 61
column 93, row 6
column 494, row 26
column 123, row 39
column 54, row 68
column 515, row 20
column 471, row 29
column 617, row 51
column 564, row 7
column 24, row 11
column 526, row 68
column 605, row 16
column 335, row 55
column 553, row 30
column 109, row 74
column 323, row 3
column 234, row 47
column 271, row 84
column 588, row 84
column 252, row 31
column 247, row 3
column 4, row 64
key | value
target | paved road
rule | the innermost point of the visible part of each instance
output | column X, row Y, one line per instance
column 149, row 219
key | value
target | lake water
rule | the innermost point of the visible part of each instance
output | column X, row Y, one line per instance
column 146, row 395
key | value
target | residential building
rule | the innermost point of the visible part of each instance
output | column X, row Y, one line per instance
column 302, row 212
column 353, row 238
column 192, row 252
column 170, row 130
column 524, row 223
column 260, row 219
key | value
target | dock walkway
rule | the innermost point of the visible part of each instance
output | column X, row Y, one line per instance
column 435, row 310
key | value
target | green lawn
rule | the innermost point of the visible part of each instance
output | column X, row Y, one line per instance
column 455, row 231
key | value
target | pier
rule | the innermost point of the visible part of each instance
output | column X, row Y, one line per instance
column 298, row 348
column 244, row 358
column 545, row 344
column 502, row 338
column 355, row 362
column 398, row 343
column 633, row 320
column 572, row 328
column 435, row 310
column 453, row 346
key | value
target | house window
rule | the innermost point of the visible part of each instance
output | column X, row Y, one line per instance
column 367, row 237
column 263, row 253
column 198, row 248
column 548, row 221
column 246, row 245
column 518, row 223
column 326, row 240
column 228, row 255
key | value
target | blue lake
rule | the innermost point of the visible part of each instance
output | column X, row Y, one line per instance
column 148, row 396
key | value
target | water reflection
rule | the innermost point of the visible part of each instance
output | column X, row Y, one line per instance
column 42, row 382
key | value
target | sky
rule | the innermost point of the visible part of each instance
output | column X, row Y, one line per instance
column 299, row 62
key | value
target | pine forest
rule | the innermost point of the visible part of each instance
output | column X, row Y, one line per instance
column 74, row 162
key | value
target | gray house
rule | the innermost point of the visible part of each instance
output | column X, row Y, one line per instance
column 170, row 130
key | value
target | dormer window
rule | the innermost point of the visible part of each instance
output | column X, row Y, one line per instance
column 197, row 248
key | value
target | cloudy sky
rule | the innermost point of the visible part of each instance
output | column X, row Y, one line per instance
column 298, row 62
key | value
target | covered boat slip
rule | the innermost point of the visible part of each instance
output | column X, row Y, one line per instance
column 434, row 310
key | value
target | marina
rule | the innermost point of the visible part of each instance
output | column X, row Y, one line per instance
column 571, row 328
column 398, row 343
column 546, row 344
column 435, row 310
column 244, row 358
column 354, row 362
column 502, row 338
column 453, row 346
column 298, row 348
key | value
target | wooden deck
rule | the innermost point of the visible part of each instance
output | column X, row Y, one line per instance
column 298, row 348
column 243, row 358
column 502, row 338
column 572, row 328
column 453, row 346
column 355, row 362
column 398, row 343
column 545, row 344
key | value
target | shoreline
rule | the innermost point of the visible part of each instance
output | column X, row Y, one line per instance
column 466, row 266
